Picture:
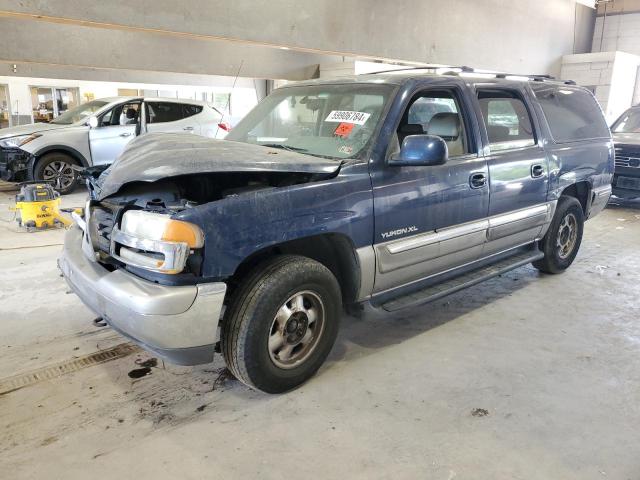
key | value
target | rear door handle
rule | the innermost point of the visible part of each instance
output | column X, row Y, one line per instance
column 537, row 171
column 188, row 128
column 126, row 134
column 477, row 180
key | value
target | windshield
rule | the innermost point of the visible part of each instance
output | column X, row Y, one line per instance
column 79, row 113
column 330, row 121
column 628, row 123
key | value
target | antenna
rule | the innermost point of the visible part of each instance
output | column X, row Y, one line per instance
column 233, row 87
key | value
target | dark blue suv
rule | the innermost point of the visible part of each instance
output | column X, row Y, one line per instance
column 394, row 189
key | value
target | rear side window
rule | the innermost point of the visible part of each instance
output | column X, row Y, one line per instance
column 507, row 120
column 572, row 113
column 190, row 110
column 161, row 112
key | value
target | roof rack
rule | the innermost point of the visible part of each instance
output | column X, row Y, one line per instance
column 457, row 70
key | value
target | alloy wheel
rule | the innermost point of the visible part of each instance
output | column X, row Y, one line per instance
column 60, row 174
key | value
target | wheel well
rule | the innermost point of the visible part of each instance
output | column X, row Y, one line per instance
column 579, row 190
column 74, row 155
column 334, row 251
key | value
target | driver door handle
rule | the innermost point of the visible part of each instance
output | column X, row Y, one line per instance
column 125, row 134
column 477, row 180
column 537, row 171
column 188, row 128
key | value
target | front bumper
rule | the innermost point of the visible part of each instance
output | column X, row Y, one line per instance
column 626, row 182
column 178, row 323
column 13, row 163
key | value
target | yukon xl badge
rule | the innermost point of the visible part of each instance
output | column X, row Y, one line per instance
column 400, row 231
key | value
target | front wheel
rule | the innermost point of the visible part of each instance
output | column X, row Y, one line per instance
column 281, row 323
column 57, row 169
column 562, row 241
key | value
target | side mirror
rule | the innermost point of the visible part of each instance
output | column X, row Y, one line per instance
column 420, row 150
column 93, row 122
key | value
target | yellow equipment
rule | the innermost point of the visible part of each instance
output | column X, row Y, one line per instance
column 38, row 207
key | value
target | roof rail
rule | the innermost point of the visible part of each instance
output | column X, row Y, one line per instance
column 457, row 70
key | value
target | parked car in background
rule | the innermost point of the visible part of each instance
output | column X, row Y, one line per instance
column 95, row 133
column 626, row 137
column 327, row 195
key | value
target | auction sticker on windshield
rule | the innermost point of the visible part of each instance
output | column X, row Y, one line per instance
column 358, row 118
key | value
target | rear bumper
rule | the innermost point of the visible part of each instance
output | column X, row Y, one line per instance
column 178, row 323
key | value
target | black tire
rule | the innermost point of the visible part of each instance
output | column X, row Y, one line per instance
column 250, row 320
column 558, row 258
column 67, row 178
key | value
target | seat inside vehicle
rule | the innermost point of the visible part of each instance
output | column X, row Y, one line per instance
column 498, row 133
column 446, row 125
column 433, row 113
column 131, row 116
column 409, row 129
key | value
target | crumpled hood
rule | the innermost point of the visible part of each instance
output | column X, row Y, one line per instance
column 155, row 156
column 626, row 138
column 29, row 129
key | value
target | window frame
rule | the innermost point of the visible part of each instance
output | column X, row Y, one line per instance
column 518, row 95
column 465, row 111
column 112, row 109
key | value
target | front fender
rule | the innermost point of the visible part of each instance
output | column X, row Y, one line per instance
column 74, row 141
column 238, row 226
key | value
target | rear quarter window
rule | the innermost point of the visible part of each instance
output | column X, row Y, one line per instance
column 572, row 113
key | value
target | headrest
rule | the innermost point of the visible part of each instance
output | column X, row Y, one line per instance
column 131, row 113
column 411, row 129
column 445, row 125
column 498, row 133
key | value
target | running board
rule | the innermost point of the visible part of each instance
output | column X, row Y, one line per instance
column 439, row 290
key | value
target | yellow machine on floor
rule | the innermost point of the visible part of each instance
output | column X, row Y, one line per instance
column 38, row 207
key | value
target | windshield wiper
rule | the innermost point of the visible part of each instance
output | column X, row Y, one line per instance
column 283, row 147
column 295, row 149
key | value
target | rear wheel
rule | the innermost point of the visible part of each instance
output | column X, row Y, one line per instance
column 57, row 169
column 562, row 241
column 282, row 323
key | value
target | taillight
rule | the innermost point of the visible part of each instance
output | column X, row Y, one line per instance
column 225, row 126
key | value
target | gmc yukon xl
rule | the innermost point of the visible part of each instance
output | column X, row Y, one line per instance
column 393, row 189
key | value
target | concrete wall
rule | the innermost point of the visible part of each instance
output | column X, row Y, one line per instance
column 621, row 32
column 610, row 75
column 54, row 45
column 508, row 35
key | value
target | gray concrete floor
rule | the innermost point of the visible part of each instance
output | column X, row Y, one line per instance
column 524, row 377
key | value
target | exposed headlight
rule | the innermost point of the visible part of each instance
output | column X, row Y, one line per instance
column 17, row 142
column 155, row 241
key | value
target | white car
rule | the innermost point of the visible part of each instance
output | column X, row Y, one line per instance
column 95, row 133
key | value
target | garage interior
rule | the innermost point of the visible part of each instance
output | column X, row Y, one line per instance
column 526, row 375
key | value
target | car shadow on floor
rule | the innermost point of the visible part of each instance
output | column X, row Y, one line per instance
column 377, row 329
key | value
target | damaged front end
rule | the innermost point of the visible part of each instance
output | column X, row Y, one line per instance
column 132, row 224
column 149, row 251
column 135, row 229
column 14, row 164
